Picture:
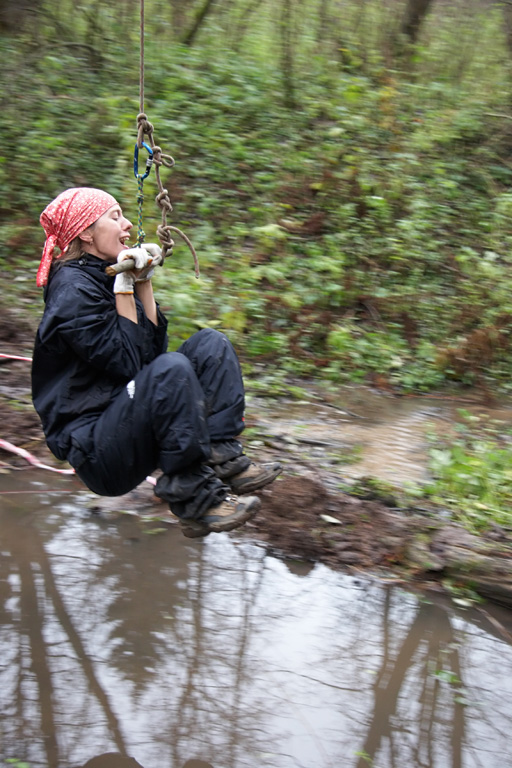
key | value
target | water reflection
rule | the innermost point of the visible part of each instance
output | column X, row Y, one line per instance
column 121, row 648
column 112, row 760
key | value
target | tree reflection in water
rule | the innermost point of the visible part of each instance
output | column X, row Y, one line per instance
column 430, row 643
column 153, row 648
column 112, row 760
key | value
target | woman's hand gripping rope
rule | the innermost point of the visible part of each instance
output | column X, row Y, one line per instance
column 135, row 265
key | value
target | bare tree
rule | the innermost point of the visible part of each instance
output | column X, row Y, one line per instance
column 507, row 20
column 179, row 15
column 287, row 52
column 198, row 21
column 14, row 13
column 415, row 13
column 244, row 21
column 323, row 21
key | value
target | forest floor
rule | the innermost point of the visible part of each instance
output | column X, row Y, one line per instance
column 300, row 518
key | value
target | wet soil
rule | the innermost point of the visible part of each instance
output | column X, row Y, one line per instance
column 20, row 423
column 301, row 518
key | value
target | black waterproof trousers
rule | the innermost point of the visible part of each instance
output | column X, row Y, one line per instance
column 167, row 417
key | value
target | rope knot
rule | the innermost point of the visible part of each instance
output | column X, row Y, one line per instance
column 144, row 127
column 163, row 200
column 164, row 233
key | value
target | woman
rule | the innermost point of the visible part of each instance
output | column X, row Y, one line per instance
column 112, row 401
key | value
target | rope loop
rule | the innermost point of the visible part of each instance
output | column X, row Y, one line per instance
column 167, row 160
column 162, row 159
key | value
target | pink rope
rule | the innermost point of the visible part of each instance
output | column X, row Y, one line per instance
column 16, row 357
column 7, row 446
column 32, row 459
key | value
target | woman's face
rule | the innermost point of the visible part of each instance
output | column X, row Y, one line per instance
column 108, row 236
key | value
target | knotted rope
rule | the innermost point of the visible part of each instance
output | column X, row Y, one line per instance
column 145, row 134
column 145, row 130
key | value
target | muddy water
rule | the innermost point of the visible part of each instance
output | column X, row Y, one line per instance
column 365, row 432
column 187, row 654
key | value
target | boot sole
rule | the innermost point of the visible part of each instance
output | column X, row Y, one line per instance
column 193, row 530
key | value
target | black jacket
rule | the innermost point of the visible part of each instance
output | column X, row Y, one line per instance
column 85, row 353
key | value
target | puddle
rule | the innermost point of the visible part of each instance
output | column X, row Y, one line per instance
column 385, row 436
column 212, row 653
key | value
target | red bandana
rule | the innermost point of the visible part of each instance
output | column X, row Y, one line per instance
column 66, row 217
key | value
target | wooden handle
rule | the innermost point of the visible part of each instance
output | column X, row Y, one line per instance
column 123, row 266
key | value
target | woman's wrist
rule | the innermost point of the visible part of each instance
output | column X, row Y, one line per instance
column 125, row 306
column 143, row 288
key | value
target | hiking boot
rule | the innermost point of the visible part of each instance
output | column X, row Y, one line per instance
column 253, row 478
column 231, row 513
column 231, row 466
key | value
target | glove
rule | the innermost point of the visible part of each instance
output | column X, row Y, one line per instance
column 143, row 259
column 155, row 251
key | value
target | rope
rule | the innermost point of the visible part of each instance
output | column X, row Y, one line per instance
column 5, row 445
column 145, row 128
column 15, row 357
column 141, row 77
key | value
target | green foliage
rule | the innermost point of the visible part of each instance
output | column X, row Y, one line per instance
column 365, row 757
column 463, row 595
column 373, row 488
column 447, row 676
column 472, row 474
column 17, row 763
column 364, row 235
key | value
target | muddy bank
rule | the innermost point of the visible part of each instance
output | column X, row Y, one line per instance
column 299, row 517
column 302, row 517
column 300, row 520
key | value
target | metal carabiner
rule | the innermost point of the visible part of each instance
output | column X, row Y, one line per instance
column 149, row 161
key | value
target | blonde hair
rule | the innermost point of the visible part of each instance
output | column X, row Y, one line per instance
column 74, row 249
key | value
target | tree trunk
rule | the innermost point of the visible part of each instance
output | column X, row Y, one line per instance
column 179, row 14
column 13, row 13
column 323, row 22
column 413, row 18
column 196, row 26
column 244, row 21
column 127, row 15
column 507, row 23
column 287, row 53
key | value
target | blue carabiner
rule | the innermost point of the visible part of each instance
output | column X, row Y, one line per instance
column 149, row 161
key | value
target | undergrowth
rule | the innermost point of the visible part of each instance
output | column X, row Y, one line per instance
column 362, row 234
column 472, row 473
